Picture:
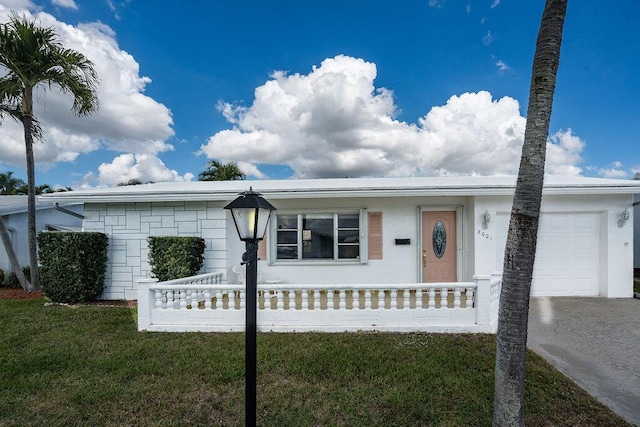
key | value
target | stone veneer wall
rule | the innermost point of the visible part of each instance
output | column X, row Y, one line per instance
column 129, row 224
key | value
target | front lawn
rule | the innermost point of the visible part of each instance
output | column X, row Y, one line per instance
column 89, row 366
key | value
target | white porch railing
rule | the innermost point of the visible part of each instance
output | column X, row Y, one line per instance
column 203, row 303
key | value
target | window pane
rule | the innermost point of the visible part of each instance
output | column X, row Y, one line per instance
column 349, row 252
column 287, row 237
column 287, row 222
column 287, row 252
column 348, row 236
column 317, row 236
column 348, row 221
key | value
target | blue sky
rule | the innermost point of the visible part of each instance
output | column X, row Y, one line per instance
column 331, row 89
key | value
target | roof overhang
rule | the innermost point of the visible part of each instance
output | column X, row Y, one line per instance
column 342, row 188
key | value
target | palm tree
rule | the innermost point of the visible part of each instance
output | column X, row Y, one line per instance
column 9, row 185
column 218, row 171
column 520, row 249
column 32, row 56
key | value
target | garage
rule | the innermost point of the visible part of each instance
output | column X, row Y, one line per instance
column 568, row 256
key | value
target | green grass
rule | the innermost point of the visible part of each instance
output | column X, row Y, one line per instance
column 89, row 366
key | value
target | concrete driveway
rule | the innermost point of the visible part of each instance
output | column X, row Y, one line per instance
column 596, row 343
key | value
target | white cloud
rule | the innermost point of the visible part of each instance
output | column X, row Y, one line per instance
column 468, row 8
column 563, row 153
column 437, row 3
column 71, row 4
column 251, row 169
column 488, row 38
column 333, row 122
column 502, row 66
column 495, row 4
column 143, row 167
column 614, row 171
column 127, row 121
column 18, row 4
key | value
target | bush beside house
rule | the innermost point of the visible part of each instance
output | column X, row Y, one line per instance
column 174, row 257
column 73, row 265
column 12, row 280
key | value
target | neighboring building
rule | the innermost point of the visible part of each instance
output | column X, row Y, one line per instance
column 636, row 240
column 49, row 216
column 381, row 230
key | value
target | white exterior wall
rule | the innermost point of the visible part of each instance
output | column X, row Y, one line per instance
column 400, row 263
column 129, row 224
column 616, row 250
column 17, row 223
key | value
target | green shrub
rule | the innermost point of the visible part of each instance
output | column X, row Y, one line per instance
column 175, row 257
column 12, row 279
column 73, row 265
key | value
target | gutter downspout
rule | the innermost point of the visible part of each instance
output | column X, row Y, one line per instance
column 67, row 211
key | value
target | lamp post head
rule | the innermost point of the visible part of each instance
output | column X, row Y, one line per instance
column 251, row 213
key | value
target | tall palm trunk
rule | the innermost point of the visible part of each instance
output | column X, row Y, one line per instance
column 27, row 122
column 13, row 259
column 520, row 249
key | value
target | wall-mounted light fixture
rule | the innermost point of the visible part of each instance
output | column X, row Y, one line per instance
column 624, row 217
column 485, row 218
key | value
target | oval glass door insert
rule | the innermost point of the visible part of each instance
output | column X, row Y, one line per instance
column 439, row 239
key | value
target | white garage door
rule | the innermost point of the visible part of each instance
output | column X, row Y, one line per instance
column 568, row 254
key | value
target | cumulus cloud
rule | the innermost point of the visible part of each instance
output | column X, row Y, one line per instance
column 144, row 167
column 333, row 122
column 127, row 121
column 615, row 170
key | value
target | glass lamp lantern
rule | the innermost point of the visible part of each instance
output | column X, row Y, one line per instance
column 251, row 213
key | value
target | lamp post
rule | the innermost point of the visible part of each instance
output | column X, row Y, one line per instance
column 251, row 213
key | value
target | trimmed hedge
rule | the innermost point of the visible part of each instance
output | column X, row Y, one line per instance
column 174, row 257
column 73, row 265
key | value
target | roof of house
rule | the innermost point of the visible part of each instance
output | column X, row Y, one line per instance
column 10, row 205
column 342, row 187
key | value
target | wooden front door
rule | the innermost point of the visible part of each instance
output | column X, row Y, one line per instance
column 439, row 247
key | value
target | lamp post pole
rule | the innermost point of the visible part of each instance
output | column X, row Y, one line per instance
column 250, row 213
column 250, row 343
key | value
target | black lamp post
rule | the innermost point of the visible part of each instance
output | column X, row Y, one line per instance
column 251, row 213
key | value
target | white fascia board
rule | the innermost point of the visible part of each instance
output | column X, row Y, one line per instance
column 341, row 188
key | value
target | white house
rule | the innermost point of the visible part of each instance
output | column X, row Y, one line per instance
column 49, row 216
column 402, row 231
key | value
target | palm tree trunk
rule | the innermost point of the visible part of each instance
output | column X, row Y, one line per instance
column 520, row 249
column 13, row 259
column 27, row 122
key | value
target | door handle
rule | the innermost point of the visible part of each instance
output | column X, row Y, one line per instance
column 424, row 258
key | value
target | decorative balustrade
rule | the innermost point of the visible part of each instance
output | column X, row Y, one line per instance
column 204, row 303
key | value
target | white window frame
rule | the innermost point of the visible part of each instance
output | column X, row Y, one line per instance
column 363, row 244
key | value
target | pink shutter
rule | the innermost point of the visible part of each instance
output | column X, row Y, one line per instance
column 262, row 247
column 375, row 235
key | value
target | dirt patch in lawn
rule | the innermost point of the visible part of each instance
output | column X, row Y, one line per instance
column 18, row 293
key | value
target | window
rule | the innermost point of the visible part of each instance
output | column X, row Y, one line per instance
column 318, row 236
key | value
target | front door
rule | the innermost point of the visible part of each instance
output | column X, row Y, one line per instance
column 439, row 247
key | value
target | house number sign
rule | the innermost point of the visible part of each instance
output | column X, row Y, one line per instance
column 439, row 239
